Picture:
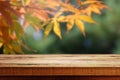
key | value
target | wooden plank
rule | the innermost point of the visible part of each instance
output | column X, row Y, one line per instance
column 60, row 78
column 80, row 65
column 59, row 60
column 59, row 71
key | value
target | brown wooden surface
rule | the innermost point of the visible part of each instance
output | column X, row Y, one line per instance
column 59, row 67
column 59, row 78
column 74, row 65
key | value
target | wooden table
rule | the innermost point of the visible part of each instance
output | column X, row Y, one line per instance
column 60, row 67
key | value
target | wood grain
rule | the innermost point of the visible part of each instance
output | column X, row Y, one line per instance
column 60, row 65
column 59, row 78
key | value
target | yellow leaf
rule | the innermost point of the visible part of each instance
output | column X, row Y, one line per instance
column 80, row 25
column 17, row 48
column 86, row 18
column 1, row 44
column 56, row 29
column 96, row 10
column 25, row 2
column 88, row 11
column 48, row 29
column 70, row 25
column 90, row 2
column 62, row 19
column 8, row 49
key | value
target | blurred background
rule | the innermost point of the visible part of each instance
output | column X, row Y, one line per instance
column 103, row 38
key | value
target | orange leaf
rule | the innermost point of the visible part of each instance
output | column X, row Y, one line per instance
column 70, row 25
column 86, row 18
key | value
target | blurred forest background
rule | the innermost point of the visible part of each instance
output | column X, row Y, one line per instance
column 102, row 38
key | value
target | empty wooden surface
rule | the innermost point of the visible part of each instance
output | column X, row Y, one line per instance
column 59, row 60
column 75, row 65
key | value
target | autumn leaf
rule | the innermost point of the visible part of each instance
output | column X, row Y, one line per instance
column 70, row 25
column 17, row 48
column 43, row 14
column 56, row 29
column 26, row 2
column 80, row 25
column 94, row 7
column 6, row 10
column 1, row 44
column 5, row 35
column 86, row 18
column 48, row 29
column 4, row 31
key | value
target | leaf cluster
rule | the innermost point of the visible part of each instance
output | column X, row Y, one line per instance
column 17, row 15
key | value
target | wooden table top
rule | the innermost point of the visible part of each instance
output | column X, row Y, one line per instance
column 59, row 60
column 71, row 64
